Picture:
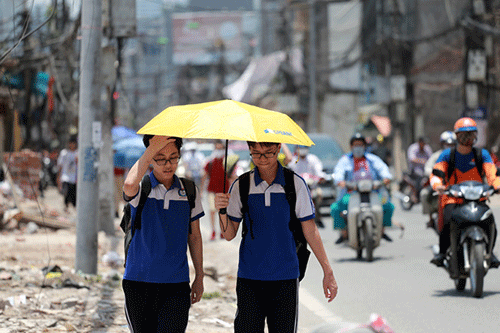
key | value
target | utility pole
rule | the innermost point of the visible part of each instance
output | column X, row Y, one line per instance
column 313, row 103
column 478, row 56
column 88, row 138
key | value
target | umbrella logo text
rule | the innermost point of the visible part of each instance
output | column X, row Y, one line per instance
column 270, row 131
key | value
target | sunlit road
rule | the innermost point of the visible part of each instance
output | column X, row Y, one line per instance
column 401, row 285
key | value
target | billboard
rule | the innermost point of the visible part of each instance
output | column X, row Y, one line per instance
column 198, row 37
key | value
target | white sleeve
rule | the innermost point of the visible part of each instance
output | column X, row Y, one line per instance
column 234, row 207
column 198, row 208
column 304, row 207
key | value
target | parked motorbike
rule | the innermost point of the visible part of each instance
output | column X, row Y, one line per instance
column 471, row 229
column 364, row 216
column 409, row 188
column 312, row 182
column 48, row 173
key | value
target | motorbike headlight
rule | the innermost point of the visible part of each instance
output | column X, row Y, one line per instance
column 365, row 185
column 471, row 193
column 455, row 193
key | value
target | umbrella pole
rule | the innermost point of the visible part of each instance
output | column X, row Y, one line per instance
column 223, row 210
column 225, row 167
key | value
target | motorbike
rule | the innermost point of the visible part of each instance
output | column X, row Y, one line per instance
column 409, row 188
column 364, row 216
column 472, row 226
column 48, row 173
column 312, row 182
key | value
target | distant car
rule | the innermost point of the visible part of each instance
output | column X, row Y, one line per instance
column 329, row 152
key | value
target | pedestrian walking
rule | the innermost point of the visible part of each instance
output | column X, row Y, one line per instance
column 268, row 271
column 67, row 165
column 156, row 279
column 193, row 161
column 215, row 175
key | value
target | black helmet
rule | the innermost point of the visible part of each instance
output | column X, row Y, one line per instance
column 358, row 136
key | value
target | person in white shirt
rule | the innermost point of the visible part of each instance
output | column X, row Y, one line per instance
column 67, row 165
column 310, row 167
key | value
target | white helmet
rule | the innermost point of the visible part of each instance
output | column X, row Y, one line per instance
column 448, row 137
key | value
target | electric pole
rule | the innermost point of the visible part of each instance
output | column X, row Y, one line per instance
column 89, row 138
column 313, row 103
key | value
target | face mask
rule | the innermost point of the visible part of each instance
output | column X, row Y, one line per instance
column 358, row 151
column 302, row 151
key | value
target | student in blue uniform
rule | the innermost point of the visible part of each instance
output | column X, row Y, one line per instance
column 268, row 271
column 156, row 279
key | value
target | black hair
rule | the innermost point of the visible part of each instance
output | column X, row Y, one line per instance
column 147, row 137
column 251, row 144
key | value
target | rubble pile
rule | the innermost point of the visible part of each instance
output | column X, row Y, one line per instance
column 25, row 168
column 40, row 291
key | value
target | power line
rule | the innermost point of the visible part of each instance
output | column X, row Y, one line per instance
column 26, row 35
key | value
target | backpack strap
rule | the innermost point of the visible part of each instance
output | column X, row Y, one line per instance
column 244, row 184
column 451, row 164
column 478, row 159
column 190, row 188
column 145, row 190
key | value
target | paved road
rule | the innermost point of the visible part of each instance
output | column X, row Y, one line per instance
column 400, row 284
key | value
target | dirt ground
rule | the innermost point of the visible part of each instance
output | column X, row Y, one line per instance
column 64, row 300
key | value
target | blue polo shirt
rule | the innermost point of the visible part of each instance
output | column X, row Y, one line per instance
column 271, row 254
column 158, row 251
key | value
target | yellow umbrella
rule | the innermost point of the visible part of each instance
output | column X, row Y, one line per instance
column 229, row 120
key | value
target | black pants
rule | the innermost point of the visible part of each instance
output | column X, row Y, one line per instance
column 69, row 192
column 444, row 237
column 275, row 300
column 157, row 307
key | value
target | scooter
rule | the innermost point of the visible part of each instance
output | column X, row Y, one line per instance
column 364, row 216
column 472, row 227
column 312, row 182
column 409, row 188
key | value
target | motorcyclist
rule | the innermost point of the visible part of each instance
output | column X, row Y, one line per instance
column 304, row 162
column 344, row 171
column 447, row 139
column 418, row 153
column 465, row 170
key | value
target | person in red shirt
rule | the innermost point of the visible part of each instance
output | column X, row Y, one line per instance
column 465, row 170
column 214, row 172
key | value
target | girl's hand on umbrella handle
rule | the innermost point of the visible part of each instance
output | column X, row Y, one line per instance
column 221, row 201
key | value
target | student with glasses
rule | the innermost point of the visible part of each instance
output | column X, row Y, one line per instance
column 156, row 280
column 268, row 270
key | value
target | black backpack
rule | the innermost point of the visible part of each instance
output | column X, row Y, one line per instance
column 126, row 221
column 295, row 225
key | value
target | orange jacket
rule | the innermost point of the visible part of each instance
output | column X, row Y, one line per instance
column 465, row 169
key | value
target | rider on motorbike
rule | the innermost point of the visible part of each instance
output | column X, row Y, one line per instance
column 464, row 169
column 303, row 163
column 344, row 171
column 448, row 139
column 418, row 153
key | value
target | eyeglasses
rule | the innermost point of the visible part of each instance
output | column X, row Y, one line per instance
column 266, row 155
column 164, row 161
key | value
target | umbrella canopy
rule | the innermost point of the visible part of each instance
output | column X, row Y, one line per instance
column 121, row 132
column 228, row 120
